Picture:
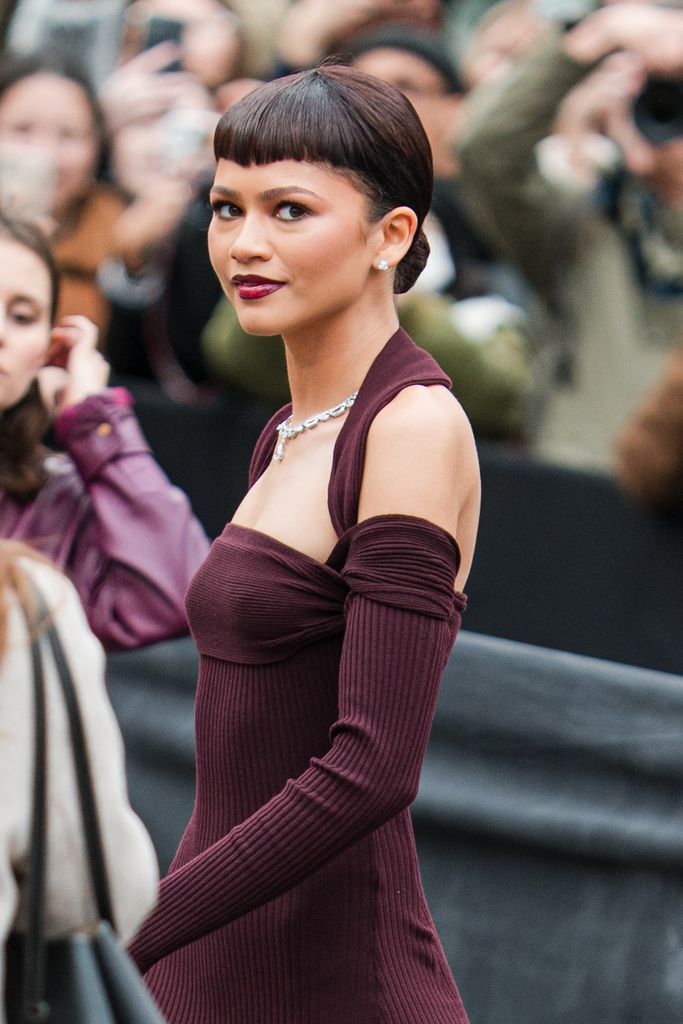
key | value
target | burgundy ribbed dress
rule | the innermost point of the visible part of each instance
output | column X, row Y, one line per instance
column 295, row 896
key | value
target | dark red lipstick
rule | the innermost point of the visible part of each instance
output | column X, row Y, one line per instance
column 251, row 286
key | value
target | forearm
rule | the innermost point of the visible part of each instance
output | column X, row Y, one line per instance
column 528, row 219
column 369, row 774
column 142, row 544
column 517, row 112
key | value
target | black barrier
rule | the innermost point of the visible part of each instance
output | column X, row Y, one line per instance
column 549, row 823
column 550, row 834
column 565, row 560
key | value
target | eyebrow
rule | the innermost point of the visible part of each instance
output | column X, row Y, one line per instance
column 267, row 196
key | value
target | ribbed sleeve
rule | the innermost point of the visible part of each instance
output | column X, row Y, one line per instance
column 391, row 664
column 403, row 561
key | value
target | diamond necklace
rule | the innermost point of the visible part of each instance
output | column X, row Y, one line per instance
column 285, row 432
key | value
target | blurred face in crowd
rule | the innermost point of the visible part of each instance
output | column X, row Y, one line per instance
column 234, row 91
column 406, row 71
column 25, row 303
column 176, row 143
column 439, row 110
column 48, row 120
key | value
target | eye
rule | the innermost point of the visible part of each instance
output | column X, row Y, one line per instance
column 225, row 211
column 24, row 312
column 24, row 318
column 291, row 211
column 21, row 128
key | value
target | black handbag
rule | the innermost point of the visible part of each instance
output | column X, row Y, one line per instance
column 86, row 977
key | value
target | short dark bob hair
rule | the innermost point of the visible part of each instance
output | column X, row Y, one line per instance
column 352, row 122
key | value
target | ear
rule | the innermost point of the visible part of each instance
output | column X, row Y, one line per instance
column 397, row 229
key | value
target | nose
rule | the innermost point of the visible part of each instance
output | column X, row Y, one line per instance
column 38, row 140
column 250, row 241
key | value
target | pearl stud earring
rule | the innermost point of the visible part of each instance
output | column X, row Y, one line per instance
column 383, row 265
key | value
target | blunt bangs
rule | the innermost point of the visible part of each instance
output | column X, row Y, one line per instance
column 340, row 117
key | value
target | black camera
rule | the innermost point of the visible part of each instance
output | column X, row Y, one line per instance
column 658, row 111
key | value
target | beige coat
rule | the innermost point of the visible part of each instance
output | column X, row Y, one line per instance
column 131, row 860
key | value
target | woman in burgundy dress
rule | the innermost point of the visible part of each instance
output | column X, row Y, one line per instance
column 326, row 610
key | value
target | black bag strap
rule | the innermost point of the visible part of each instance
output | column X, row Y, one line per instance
column 86, row 791
column 33, row 979
column 42, row 631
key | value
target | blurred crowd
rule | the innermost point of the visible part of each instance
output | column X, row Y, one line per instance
column 553, row 295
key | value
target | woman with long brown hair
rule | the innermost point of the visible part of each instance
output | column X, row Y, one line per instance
column 102, row 509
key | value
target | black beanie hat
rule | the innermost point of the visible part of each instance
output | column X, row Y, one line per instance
column 427, row 45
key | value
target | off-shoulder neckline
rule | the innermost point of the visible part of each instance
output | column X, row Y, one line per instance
column 388, row 518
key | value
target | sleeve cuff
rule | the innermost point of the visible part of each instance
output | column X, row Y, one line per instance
column 99, row 428
column 132, row 292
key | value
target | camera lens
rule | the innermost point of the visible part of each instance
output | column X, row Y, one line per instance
column 658, row 111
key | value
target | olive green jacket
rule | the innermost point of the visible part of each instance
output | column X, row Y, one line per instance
column 593, row 319
column 490, row 366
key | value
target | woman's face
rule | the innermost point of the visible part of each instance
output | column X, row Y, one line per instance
column 49, row 119
column 25, row 303
column 290, row 242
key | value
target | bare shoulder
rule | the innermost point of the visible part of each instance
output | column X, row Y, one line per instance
column 420, row 459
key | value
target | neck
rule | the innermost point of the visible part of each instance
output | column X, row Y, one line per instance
column 326, row 362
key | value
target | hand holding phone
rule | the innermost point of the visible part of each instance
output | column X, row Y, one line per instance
column 164, row 30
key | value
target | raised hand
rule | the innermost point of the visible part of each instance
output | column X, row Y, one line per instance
column 654, row 33
column 136, row 91
column 75, row 368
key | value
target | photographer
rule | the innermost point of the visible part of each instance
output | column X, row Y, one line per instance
column 606, row 262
